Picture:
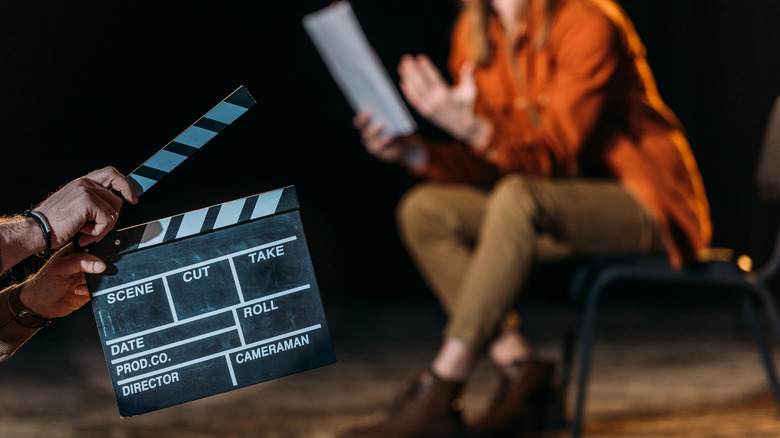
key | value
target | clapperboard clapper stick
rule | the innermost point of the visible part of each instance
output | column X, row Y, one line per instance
column 207, row 301
column 189, row 141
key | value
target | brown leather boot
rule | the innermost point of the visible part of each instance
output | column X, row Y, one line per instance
column 528, row 397
column 426, row 409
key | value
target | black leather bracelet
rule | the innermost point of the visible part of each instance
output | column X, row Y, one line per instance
column 45, row 228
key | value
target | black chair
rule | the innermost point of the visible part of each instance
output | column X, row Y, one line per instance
column 612, row 274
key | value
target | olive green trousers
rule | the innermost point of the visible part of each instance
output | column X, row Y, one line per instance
column 476, row 248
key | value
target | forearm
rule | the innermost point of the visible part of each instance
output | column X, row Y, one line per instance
column 454, row 162
column 20, row 237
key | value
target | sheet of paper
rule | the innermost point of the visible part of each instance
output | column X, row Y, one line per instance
column 355, row 66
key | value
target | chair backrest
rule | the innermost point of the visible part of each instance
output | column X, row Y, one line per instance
column 768, row 176
column 768, row 181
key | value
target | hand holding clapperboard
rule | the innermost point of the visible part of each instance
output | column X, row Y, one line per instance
column 211, row 300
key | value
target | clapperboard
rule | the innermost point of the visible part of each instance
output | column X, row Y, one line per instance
column 207, row 301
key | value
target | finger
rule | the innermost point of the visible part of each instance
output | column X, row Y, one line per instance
column 109, row 197
column 74, row 301
column 95, row 196
column 72, row 264
column 421, row 70
column 361, row 119
column 414, row 97
column 429, row 72
column 101, row 218
column 373, row 132
column 92, row 265
column 466, row 72
column 466, row 87
column 103, row 207
column 82, row 290
column 406, row 62
column 412, row 77
column 384, row 149
column 90, row 234
column 110, row 178
column 119, row 183
column 374, row 140
column 390, row 152
column 376, row 146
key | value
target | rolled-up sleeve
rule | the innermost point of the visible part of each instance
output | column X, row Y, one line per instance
column 12, row 334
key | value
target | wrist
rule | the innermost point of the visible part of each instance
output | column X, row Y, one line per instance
column 24, row 312
column 414, row 156
column 43, row 224
column 477, row 133
column 20, row 237
column 31, row 240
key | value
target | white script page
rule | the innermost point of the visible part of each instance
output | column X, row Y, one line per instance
column 355, row 66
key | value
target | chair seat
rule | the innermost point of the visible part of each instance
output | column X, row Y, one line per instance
column 654, row 269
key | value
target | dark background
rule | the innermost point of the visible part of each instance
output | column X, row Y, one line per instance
column 89, row 84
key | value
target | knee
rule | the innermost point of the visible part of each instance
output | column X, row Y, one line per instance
column 419, row 211
column 513, row 197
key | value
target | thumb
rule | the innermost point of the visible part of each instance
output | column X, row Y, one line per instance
column 90, row 264
column 467, row 86
column 466, row 72
column 78, row 262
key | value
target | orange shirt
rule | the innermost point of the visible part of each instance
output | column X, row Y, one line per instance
column 600, row 114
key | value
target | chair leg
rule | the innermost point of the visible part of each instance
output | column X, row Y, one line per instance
column 749, row 310
column 586, row 345
column 770, row 307
column 569, row 342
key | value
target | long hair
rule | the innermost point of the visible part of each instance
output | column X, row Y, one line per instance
column 480, row 12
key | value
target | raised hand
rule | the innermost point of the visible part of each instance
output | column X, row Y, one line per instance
column 451, row 108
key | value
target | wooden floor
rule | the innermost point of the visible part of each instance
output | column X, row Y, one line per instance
column 671, row 372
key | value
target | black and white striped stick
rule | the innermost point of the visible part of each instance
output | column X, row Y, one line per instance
column 189, row 141
column 197, row 222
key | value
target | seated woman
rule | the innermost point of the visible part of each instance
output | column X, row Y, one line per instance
column 559, row 131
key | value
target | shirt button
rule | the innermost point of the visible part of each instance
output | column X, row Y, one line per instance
column 543, row 99
column 521, row 103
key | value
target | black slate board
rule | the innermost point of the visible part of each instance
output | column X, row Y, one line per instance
column 207, row 302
